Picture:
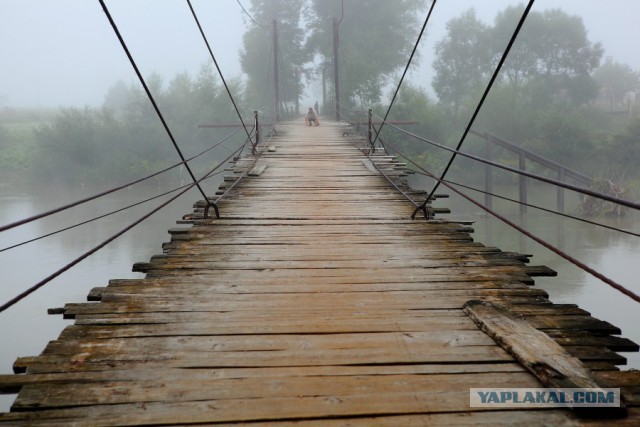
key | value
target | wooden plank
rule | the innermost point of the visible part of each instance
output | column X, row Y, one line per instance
column 555, row 417
column 13, row 383
column 258, row 169
column 535, row 350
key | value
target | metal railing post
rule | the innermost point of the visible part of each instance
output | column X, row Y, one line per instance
column 373, row 149
column 523, row 183
column 488, row 174
column 257, row 125
column 560, row 196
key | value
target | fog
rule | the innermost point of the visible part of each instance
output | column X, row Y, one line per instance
column 64, row 53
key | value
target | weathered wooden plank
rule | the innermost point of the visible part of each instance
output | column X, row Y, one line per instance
column 356, row 397
column 192, row 390
column 536, row 351
column 271, row 302
column 258, row 169
column 494, row 418
column 12, row 383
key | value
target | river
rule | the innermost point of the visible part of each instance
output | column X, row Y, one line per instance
column 26, row 328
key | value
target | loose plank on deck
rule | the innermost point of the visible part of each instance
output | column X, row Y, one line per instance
column 313, row 301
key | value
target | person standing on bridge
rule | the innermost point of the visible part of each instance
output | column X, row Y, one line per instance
column 311, row 118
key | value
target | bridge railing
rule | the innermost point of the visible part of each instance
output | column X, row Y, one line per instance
column 562, row 172
column 455, row 187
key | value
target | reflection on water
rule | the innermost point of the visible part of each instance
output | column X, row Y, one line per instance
column 26, row 328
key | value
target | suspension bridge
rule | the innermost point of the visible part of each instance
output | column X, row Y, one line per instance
column 315, row 300
column 316, row 287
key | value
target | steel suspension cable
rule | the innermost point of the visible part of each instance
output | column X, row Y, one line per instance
column 111, row 190
column 377, row 131
column 127, row 207
column 236, row 181
column 71, row 227
column 406, row 69
column 389, row 180
column 530, row 205
column 482, row 100
column 82, row 257
column 247, row 13
column 513, row 200
column 565, row 185
column 149, row 95
column 213, row 57
column 527, row 233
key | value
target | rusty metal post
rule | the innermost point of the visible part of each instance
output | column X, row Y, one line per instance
column 560, row 196
column 373, row 149
column 257, row 125
column 336, row 75
column 324, row 90
column 276, row 77
column 523, row 184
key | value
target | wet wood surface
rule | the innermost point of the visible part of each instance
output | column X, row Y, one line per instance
column 313, row 301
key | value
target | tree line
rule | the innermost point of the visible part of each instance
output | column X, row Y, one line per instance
column 123, row 139
column 556, row 94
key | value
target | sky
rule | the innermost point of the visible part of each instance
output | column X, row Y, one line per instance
column 64, row 52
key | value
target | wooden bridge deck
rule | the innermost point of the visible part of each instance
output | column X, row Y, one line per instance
column 314, row 301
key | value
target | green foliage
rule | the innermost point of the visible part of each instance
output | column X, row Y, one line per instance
column 376, row 38
column 17, row 146
column 461, row 57
column 15, row 151
column 566, row 136
column 74, row 142
column 623, row 151
column 550, row 63
column 413, row 104
column 616, row 81
column 256, row 58
column 548, row 97
column 125, row 140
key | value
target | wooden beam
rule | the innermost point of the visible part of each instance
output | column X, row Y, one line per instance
column 551, row 364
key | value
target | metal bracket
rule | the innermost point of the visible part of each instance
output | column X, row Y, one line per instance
column 215, row 208
column 426, row 211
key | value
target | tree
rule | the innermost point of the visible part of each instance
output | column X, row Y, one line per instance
column 461, row 60
column 256, row 58
column 552, row 58
column 125, row 139
column 551, row 61
column 376, row 38
column 117, row 96
column 413, row 103
column 616, row 80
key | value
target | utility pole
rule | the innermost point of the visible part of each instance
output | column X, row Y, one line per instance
column 324, row 89
column 297, row 83
column 336, row 73
column 275, row 70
